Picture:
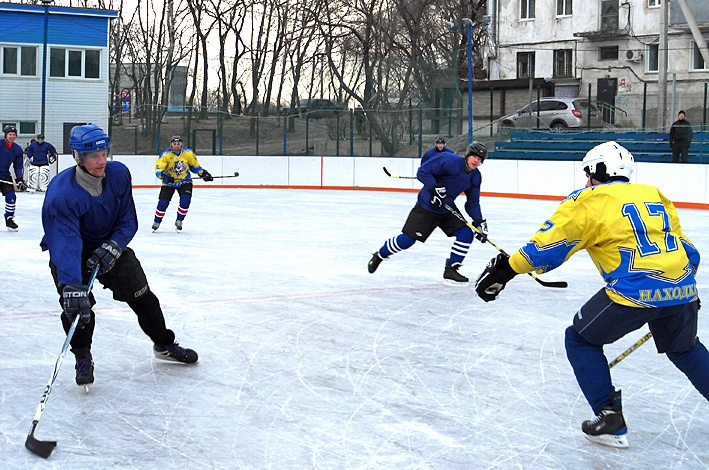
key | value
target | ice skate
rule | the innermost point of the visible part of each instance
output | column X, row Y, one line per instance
column 178, row 226
column 608, row 428
column 451, row 275
column 156, row 226
column 176, row 353
column 375, row 262
column 84, row 371
column 10, row 224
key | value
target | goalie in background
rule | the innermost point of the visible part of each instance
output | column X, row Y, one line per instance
column 41, row 154
column 633, row 235
column 89, row 219
column 175, row 167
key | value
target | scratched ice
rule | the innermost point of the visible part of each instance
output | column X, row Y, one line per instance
column 308, row 361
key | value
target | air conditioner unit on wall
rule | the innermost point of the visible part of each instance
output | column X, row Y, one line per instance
column 633, row 55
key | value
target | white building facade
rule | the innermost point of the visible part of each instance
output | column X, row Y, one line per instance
column 611, row 45
column 70, row 86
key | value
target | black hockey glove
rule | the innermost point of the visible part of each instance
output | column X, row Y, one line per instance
column 439, row 196
column 206, row 176
column 75, row 301
column 51, row 158
column 21, row 185
column 105, row 256
column 167, row 177
column 494, row 278
column 481, row 234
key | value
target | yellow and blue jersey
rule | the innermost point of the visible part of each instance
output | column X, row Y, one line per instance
column 179, row 166
column 633, row 235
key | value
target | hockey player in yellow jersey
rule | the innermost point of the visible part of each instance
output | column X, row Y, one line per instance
column 633, row 235
column 175, row 167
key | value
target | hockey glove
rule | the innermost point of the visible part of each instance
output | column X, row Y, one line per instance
column 105, row 256
column 21, row 185
column 75, row 301
column 167, row 177
column 481, row 232
column 51, row 158
column 206, row 176
column 439, row 196
column 494, row 278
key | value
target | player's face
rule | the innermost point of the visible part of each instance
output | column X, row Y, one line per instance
column 176, row 146
column 10, row 137
column 440, row 146
column 95, row 162
column 472, row 162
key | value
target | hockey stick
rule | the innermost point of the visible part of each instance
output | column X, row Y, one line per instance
column 44, row 448
column 557, row 284
column 236, row 173
column 632, row 348
column 400, row 177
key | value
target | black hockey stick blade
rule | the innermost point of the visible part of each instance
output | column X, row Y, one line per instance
column 399, row 177
column 236, row 173
column 41, row 448
column 387, row 172
column 557, row 284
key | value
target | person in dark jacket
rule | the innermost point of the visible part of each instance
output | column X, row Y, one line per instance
column 680, row 138
column 40, row 154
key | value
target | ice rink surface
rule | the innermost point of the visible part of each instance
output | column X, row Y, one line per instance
column 308, row 361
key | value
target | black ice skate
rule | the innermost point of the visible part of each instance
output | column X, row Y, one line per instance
column 375, row 262
column 156, row 226
column 178, row 226
column 84, row 371
column 451, row 275
column 176, row 353
column 10, row 224
column 608, row 428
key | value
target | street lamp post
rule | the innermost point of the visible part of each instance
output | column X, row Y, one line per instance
column 45, row 4
column 468, row 26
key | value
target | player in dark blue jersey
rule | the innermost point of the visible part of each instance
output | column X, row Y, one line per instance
column 89, row 218
column 438, row 148
column 10, row 156
column 444, row 177
column 40, row 154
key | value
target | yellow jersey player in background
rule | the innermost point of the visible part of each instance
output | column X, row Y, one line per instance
column 633, row 235
column 175, row 167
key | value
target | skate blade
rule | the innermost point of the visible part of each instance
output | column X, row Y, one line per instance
column 619, row 441
column 86, row 388
column 450, row 282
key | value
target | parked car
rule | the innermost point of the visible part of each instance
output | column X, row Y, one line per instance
column 557, row 114
column 317, row 108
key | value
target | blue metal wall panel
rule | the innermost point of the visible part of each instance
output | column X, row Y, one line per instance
column 70, row 30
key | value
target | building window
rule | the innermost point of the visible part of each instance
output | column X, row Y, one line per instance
column 653, row 3
column 527, row 9
column 20, row 60
column 562, row 63
column 74, row 63
column 608, row 53
column 697, row 60
column 609, row 15
column 525, row 65
column 652, row 58
column 23, row 127
column 564, row 7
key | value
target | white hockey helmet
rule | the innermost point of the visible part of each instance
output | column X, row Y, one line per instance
column 609, row 161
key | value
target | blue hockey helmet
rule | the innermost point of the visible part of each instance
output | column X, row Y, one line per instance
column 88, row 138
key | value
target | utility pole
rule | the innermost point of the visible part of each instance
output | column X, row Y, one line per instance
column 662, row 69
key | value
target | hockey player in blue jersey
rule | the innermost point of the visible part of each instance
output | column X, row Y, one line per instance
column 444, row 177
column 10, row 157
column 438, row 148
column 175, row 167
column 633, row 235
column 40, row 154
column 89, row 219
